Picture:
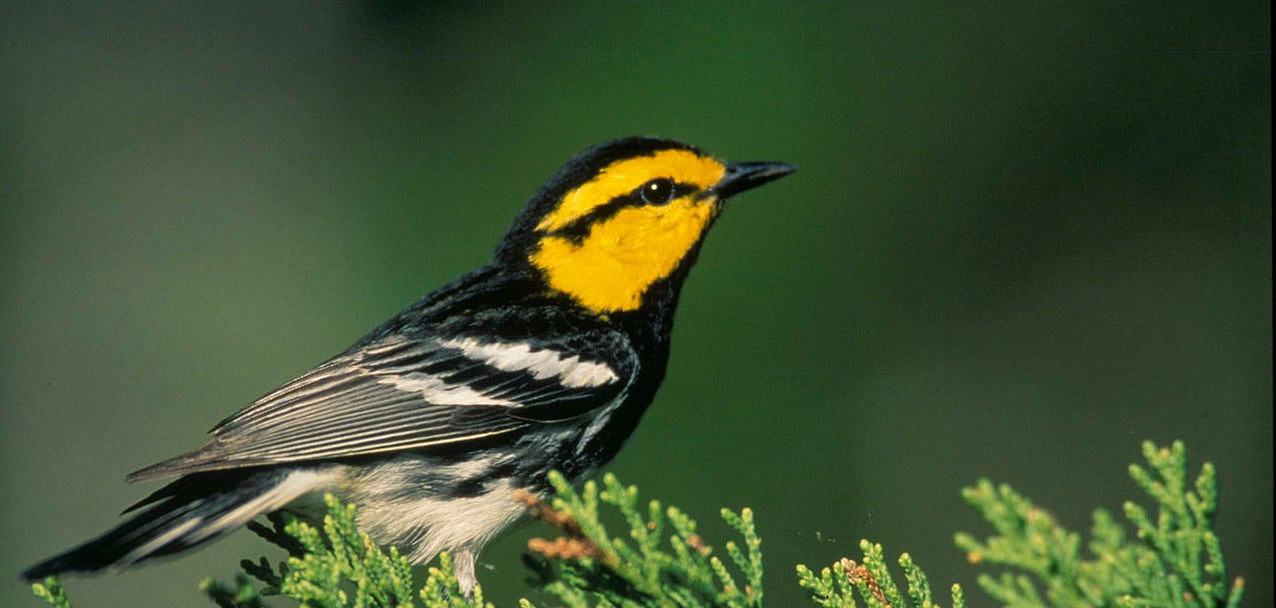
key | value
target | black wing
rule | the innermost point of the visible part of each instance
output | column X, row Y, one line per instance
column 399, row 394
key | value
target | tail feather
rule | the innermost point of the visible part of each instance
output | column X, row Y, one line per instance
column 188, row 512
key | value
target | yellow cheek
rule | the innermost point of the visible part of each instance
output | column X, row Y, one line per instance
column 621, row 257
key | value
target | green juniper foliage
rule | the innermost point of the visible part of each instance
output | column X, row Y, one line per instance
column 1173, row 559
column 51, row 591
column 837, row 586
column 338, row 567
column 647, row 568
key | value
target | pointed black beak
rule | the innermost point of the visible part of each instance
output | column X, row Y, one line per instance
column 746, row 176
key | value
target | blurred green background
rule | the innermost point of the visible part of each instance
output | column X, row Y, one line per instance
column 1025, row 237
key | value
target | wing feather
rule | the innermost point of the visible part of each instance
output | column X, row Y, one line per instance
column 399, row 394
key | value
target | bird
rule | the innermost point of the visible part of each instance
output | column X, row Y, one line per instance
column 543, row 359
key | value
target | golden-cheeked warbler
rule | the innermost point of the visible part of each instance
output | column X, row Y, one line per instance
column 543, row 359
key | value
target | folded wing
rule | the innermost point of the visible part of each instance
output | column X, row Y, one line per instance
column 398, row 394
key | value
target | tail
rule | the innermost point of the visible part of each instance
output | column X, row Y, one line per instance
column 190, row 511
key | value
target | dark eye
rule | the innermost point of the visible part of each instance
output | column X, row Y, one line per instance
column 657, row 191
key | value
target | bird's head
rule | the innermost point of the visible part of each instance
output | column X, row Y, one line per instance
column 624, row 216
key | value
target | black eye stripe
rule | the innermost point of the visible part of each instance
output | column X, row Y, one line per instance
column 577, row 229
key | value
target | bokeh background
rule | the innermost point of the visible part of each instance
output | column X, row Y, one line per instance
column 1025, row 237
